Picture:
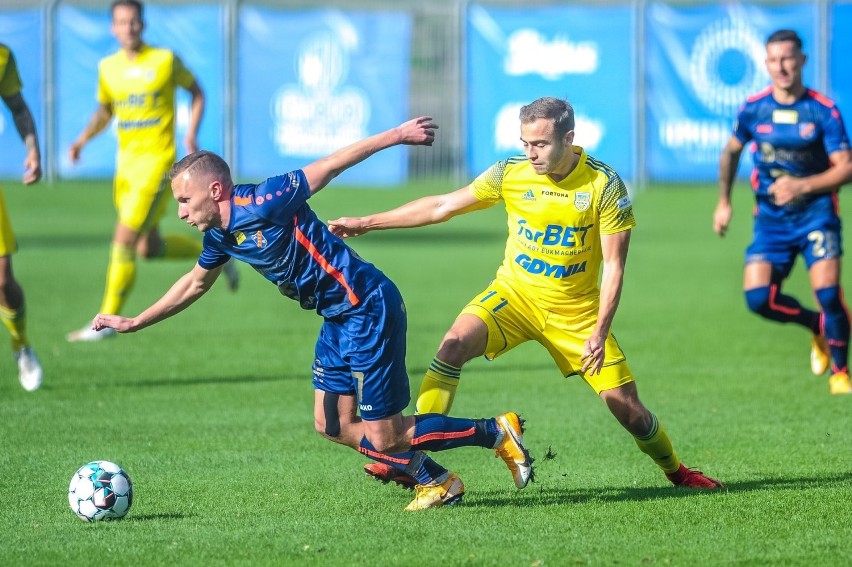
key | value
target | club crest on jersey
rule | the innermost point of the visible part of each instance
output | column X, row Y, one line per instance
column 529, row 195
column 240, row 237
column 807, row 130
column 582, row 200
column 259, row 239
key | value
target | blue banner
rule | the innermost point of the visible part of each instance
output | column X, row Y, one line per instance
column 516, row 55
column 23, row 32
column 193, row 32
column 702, row 64
column 311, row 82
column 839, row 72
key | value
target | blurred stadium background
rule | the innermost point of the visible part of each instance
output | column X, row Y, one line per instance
column 655, row 85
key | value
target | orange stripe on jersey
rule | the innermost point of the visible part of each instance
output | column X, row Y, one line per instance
column 442, row 435
column 821, row 98
column 242, row 201
column 760, row 95
column 329, row 269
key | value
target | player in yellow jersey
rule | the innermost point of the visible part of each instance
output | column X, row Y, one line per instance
column 568, row 215
column 12, row 311
column 137, row 85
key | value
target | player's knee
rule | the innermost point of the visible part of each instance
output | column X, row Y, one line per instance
column 387, row 441
column 831, row 300
column 757, row 300
column 455, row 349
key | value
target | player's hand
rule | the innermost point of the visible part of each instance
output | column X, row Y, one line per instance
column 787, row 189
column 74, row 152
column 722, row 218
column 32, row 169
column 345, row 227
column 418, row 131
column 117, row 322
column 594, row 350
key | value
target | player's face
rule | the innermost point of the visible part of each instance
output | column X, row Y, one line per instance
column 127, row 27
column 197, row 203
column 547, row 152
column 784, row 62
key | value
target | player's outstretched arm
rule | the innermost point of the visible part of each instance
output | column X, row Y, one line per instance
column 416, row 132
column 196, row 111
column 98, row 121
column 26, row 129
column 181, row 295
column 433, row 209
column 729, row 160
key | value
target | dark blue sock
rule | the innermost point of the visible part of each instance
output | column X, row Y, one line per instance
column 437, row 432
column 769, row 302
column 835, row 326
column 413, row 463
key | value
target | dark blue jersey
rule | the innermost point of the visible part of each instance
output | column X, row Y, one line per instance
column 273, row 229
column 794, row 139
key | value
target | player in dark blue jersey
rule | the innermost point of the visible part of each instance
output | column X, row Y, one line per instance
column 801, row 158
column 359, row 363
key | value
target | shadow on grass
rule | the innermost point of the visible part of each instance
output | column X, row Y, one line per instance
column 213, row 380
column 557, row 496
column 149, row 517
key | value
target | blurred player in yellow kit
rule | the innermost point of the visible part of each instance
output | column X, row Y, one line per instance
column 568, row 215
column 137, row 85
column 12, row 309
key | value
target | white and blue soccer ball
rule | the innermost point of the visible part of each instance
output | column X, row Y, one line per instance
column 100, row 490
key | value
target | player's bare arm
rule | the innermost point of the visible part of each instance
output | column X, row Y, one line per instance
column 728, row 163
column 614, row 250
column 416, row 132
column 181, row 295
column 433, row 209
column 196, row 111
column 26, row 129
column 98, row 121
column 787, row 188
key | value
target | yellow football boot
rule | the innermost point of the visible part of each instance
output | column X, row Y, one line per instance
column 436, row 495
column 511, row 449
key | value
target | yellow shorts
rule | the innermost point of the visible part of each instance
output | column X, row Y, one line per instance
column 8, row 244
column 141, row 194
column 513, row 319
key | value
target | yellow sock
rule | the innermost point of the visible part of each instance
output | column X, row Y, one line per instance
column 656, row 444
column 16, row 321
column 180, row 246
column 438, row 388
column 120, row 277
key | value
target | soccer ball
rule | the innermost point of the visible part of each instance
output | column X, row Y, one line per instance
column 100, row 490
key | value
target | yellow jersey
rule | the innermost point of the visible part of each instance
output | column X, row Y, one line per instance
column 10, row 81
column 141, row 93
column 553, row 251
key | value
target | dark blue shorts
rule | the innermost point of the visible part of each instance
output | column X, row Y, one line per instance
column 817, row 239
column 362, row 353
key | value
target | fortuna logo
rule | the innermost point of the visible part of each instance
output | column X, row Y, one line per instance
column 240, row 237
column 529, row 195
column 259, row 239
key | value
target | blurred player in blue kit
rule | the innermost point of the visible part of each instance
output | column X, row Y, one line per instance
column 801, row 158
column 360, row 353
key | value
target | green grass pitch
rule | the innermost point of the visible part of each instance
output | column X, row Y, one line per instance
column 210, row 412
